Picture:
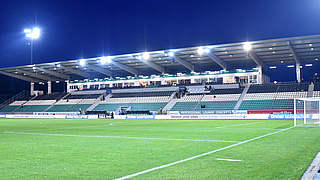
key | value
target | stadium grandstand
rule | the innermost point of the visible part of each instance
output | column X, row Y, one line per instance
column 190, row 113
column 197, row 80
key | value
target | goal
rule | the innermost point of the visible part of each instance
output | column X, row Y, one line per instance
column 307, row 112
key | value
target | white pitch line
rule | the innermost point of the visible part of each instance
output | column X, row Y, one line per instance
column 244, row 124
column 198, row 156
column 122, row 137
column 65, row 128
column 231, row 160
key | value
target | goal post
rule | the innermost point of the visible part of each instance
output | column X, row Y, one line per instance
column 307, row 112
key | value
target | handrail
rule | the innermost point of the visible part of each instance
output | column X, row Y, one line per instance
column 22, row 94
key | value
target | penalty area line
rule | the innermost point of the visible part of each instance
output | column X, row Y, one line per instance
column 200, row 155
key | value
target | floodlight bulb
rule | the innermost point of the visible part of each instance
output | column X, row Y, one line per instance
column 104, row 60
column 82, row 62
column 146, row 56
column 32, row 33
column 171, row 54
column 200, row 50
column 27, row 31
column 247, row 46
column 36, row 33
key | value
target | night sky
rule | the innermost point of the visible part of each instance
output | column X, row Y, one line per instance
column 73, row 29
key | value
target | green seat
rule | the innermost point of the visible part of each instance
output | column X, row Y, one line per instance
column 68, row 107
column 134, row 106
column 32, row 108
column 217, row 105
column 184, row 106
column 9, row 108
column 278, row 104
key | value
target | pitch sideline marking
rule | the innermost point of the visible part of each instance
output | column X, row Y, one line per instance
column 123, row 137
column 240, row 124
column 198, row 156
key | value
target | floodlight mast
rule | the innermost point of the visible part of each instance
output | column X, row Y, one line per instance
column 32, row 34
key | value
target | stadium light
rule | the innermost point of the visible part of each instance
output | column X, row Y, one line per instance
column 82, row 62
column 33, row 33
column 202, row 50
column 247, row 46
column 272, row 67
column 290, row 66
column 146, row 56
column 171, row 54
column 308, row 65
column 104, row 60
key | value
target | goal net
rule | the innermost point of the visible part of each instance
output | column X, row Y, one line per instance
column 307, row 112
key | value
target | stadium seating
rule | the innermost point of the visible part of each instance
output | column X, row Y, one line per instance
column 13, row 106
column 216, row 105
column 139, row 101
column 142, row 94
column 227, row 91
column 82, row 96
column 278, row 104
column 223, row 97
column 32, row 108
column 184, row 106
column 134, row 106
column 53, row 96
column 10, row 108
column 69, row 107
column 273, row 96
column 272, row 88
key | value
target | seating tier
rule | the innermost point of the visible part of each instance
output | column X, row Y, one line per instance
column 278, row 104
column 217, row 105
column 134, row 106
column 142, row 94
column 184, row 106
column 32, row 108
column 69, row 107
column 10, row 108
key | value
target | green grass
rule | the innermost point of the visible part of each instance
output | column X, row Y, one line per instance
column 88, row 155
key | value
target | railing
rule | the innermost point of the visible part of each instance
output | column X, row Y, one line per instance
column 21, row 95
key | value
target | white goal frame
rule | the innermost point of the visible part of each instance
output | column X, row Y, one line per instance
column 305, row 117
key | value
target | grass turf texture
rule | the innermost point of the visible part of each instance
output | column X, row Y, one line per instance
column 92, row 154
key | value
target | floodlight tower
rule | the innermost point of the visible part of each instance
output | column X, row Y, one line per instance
column 32, row 34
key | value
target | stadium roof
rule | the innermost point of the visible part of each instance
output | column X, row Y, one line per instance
column 296, row 50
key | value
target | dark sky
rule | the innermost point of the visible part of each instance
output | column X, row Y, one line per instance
column 73, row 29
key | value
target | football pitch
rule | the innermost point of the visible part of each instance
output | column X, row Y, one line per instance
column 155, row 149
